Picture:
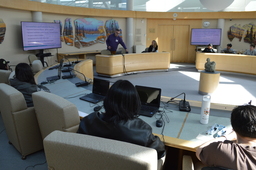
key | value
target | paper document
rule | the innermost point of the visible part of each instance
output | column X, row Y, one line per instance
column 82, row 114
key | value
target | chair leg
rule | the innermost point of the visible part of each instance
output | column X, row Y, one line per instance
column 23, row 157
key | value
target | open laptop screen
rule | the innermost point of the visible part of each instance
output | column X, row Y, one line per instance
column 149, row 96
column 100, row 86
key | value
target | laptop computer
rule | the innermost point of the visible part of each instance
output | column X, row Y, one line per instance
column 99, row 91
column 53, row 78
column 150, row 98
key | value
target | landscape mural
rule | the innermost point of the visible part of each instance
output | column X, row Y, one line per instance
column 2, row 30
column 89, row 31
column 246, row 32
column 68, row 32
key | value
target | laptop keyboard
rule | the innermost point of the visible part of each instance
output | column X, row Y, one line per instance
column 95, row 96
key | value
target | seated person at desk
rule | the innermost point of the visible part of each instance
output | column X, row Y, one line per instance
column 4, row 64
column 228, row 49
column 236, row 155
column 209, row 49
column 153, row 47
column 252, row 50
column 120, row 120
column 24, row 82
column 114, row 40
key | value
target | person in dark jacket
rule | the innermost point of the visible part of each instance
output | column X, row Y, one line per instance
column 153, row 47
column 209, row 49
column 24, row 82
column 114, row 40
column 120, row 120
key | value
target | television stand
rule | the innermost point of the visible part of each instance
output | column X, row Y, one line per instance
column 41, row 55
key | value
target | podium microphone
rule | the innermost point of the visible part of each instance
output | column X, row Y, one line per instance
column 184, row 105
column 83, row 83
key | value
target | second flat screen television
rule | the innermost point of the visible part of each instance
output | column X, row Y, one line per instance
column 40, row 35
column 205, row 36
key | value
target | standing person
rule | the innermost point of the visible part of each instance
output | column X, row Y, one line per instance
column 228, row 49
column 251, row 51
column 153, row 47
column 236, row 155
column 209, row 49
column 120, row 120
column 4, row 64
column 114, row 40
column 24, row 82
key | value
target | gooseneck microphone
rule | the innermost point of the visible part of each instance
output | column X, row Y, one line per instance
column 83, row 83
column 183, row 104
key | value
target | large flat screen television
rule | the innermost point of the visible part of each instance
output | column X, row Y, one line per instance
column 205, row 36
column 40, row 35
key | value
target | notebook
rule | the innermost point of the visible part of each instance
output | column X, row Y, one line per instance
column 99, row 91
column 53, row 78
column 150, row 98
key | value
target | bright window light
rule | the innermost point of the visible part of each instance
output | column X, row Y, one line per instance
column 162, row 5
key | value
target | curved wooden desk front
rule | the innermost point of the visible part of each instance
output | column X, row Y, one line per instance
column 110, row 65
column 238, row 63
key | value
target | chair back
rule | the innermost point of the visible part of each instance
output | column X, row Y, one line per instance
column 20, row 122
column 31, row 58
column 36, row 66
column 67, row 151
column 55, row 113
column 105, row 52
column 4, row 76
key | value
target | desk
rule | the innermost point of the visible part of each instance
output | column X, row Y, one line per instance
column 184, row 131
column 181, row 132
column 113, row 65
column 238, row 63
column 79, row 54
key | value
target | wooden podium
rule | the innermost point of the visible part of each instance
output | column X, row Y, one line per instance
column 208, row 82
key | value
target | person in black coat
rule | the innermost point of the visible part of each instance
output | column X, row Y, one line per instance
column 209, row 49
column 24, row 82
column 153, row 47
column 120, row 120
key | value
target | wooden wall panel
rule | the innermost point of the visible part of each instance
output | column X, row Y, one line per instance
column 190, row 49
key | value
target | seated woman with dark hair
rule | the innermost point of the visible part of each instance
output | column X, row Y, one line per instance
column 24, row 82
column 120, row 120
column 153, row 47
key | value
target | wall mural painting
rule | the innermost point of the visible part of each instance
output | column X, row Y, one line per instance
column 68, row 32
column 110, row 27
column 2, row 30
column 88, row 31
column 61, row 34
column 246, row 32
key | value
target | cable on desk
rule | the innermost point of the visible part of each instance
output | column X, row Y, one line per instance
column 33, row 166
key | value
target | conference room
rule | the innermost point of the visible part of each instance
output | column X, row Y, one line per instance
column 175, row 68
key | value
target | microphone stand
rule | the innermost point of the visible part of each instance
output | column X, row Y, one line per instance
column 85, row 83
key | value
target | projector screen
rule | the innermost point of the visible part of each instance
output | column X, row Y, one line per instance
column 40, row 35
column 205, row 36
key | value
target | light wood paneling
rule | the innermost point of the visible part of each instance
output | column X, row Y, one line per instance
column 172, row 35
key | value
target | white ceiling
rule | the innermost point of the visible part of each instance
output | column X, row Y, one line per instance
column 156, row 5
